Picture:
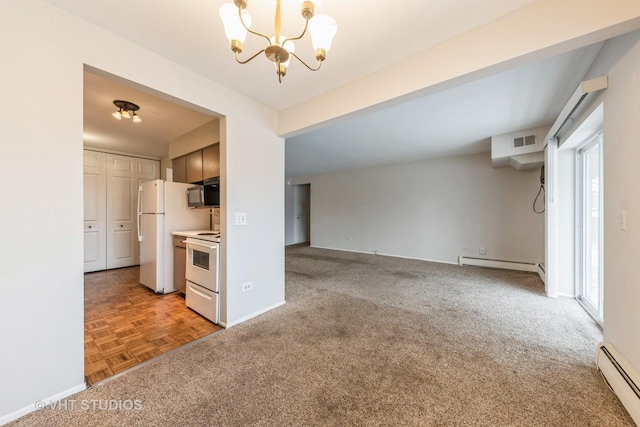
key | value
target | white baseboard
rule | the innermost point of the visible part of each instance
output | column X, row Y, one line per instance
column 251, row 316
column 385, row 254
column 542, row 273
column 508, row 265
column 47, row 401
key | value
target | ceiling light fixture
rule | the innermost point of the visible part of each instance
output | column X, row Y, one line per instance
column 126, row 110
column 279, row 49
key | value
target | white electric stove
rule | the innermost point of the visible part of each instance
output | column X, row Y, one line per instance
column 202, row 272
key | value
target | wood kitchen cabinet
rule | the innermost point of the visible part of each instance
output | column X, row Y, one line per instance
column 179, row 166
column 179, row 264
column 211, row 161
column 197, row 166
column 194, row 166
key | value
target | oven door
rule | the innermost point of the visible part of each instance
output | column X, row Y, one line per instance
column 203, row 301
column 202, row 263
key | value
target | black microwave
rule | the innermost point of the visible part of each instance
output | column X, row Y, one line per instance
column 205, row 195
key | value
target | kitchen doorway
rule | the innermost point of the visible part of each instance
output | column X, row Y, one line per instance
column 125, row 323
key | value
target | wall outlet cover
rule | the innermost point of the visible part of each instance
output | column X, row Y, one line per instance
column 241, row 218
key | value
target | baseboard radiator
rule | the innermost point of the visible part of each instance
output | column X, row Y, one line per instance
column 494, row 263
column 620, row 377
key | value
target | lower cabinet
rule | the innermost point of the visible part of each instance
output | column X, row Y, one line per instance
column 179, row 264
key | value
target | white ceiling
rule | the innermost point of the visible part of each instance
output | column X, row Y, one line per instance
column 370, row 37
column 453, row 122
column 162, row 120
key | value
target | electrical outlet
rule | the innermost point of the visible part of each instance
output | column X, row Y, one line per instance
column 241, row 218
column 246, row 287
column 483, row 251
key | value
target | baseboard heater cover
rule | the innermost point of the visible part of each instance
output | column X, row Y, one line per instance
column 494, row 263
column 620, row 377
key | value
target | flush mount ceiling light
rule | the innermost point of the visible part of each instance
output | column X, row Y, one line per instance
column 279, row 49
column 127, row 110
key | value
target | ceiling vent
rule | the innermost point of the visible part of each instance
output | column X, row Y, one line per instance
column 524, row 141
column 521, row 149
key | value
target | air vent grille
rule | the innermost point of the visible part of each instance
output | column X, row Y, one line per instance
column 524, row 141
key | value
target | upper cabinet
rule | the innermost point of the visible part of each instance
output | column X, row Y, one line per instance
column 196, row 154
column 211, row 161
column 194, row 166
column 197, row 166
column 179, row 166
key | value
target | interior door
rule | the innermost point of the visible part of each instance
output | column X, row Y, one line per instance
column 121, row 210
column 302, row 213
column 95, row 212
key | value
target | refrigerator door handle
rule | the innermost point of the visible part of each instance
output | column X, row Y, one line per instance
column 139, row 216
column 139, row 199
column 139, row 227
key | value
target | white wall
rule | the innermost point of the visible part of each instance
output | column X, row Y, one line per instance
column 433, row 210
column 42, row 291
column 620, row 60
column 201, row 137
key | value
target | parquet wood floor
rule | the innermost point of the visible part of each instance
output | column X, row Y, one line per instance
column 126, row 323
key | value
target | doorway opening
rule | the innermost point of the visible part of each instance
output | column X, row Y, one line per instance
column 302, row 213
column 126, row 323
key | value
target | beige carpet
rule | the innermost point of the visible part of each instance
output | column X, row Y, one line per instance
column 366, row 340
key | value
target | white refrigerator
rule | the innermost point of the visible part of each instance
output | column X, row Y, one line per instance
column 162, row 208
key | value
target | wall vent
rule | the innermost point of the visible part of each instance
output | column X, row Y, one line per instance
column 524, row 141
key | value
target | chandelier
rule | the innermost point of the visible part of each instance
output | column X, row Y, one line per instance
column 126, row 110
column 279, row 49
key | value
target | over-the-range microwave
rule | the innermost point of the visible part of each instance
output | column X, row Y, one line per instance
column 205, row 195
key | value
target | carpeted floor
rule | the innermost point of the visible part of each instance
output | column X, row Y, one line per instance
column 366, row 340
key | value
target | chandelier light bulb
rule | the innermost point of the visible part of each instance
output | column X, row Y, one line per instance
column 126, row 114
column 136, row 118
column 322, row 28
column 116, row 115
column 233, row 28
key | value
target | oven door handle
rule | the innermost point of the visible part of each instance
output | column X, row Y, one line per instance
column 199, row 293
column 191, row 242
